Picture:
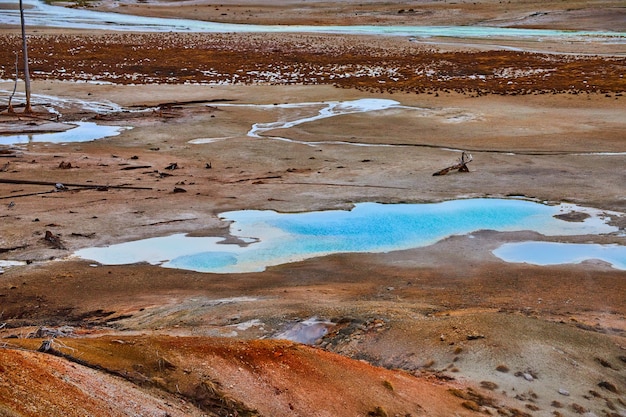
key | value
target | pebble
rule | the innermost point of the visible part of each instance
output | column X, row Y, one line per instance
column 564, row 392
column 528, row 377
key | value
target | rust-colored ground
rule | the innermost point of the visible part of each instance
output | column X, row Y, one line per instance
column 391, row 65
column 446, row 330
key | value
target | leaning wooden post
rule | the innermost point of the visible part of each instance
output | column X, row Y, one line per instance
column 27, row 108
column 10, row 106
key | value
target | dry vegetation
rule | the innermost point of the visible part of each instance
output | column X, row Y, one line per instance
column 347, row 62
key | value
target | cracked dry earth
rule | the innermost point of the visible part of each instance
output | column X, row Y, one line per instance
column 443, row 330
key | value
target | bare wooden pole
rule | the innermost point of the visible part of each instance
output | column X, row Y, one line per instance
column 27, row 108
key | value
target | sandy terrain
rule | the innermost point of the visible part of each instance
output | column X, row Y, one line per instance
column 443, row 330
column 595, row 15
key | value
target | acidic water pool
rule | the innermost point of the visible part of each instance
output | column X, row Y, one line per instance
column 276, row 238
column 82, row 132
column 554, row 253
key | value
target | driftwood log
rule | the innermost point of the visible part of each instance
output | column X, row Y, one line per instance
column 29, row 182
column 460, row 166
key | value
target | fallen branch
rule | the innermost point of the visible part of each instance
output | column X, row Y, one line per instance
column 3, row 250
column 54, row 184
column 461, row 165
column 10, row 106
column 27, row 195
column 169, row 221
column 133, row 167
column 8, row 153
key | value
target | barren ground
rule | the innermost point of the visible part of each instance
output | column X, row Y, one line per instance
column 438, row 331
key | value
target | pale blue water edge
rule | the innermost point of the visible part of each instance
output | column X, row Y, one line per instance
column 277, row 238
column 554, row 253
column 40, row 14
column 82, row 132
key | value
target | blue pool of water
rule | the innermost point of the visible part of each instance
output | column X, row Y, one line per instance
column 82, row 132
column 277, row 238
column 553, row 253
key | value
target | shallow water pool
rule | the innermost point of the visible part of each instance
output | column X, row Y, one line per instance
column 555, row 253
column 274, row 238
column 82, row 132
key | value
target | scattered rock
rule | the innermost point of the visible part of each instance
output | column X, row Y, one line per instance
column 528, row 375
column 54, row 240
column 489, row 385
column 378, row 412
column 564, row 392
column 608, row 386
column 604, row 363
column 502, row 368
column 471, row 405
column 46, row 332
column 179, row 190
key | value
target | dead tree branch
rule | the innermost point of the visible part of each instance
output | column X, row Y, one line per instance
column 460, row 166
column 10, row 106
column 54, row 184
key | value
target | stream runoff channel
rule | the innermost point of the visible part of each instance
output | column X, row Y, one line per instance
column 267, row 238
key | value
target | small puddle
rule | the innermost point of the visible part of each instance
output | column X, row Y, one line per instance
column 8, row 264
column 307, row 331
column 553, row 253
column 83, row 132
column 278, row 238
